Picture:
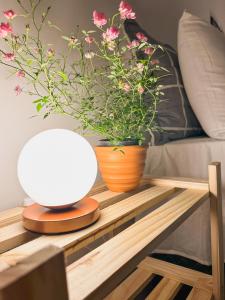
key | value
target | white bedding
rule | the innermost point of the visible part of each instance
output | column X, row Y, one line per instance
column 188, row 158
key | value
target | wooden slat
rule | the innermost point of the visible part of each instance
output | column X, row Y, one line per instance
column 41, row 276
column 107, row 198
column 98, row 188
column 13, row 235
column 172, row 271
column 216, row 230
column 111, row 217
column 165, row 290
column 198, row 294
column 181, row 182
column 131, row 286
column 3, row 266
column 10, row 216
column 97, row 273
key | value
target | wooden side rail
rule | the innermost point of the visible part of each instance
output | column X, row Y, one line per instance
column 216, row 220
column 40, row 276
column 181, row 182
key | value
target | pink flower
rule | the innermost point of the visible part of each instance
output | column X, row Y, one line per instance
column 141, row 90
column 20, row 73
column 111, row 34
column 18, row 90
column 72, row 41
column 129, row 45
column 155, row 62
column 89, row 39
column 126, row 87
column 50, row 52
column 5, row 28
column 111, row 45
column 9, row 14
column 149, row 51
column 99, row 18
column 133, row 44
column 140, row 68
column 141, row 37
column 126, row 11
column 9, row 56
column 89, row 55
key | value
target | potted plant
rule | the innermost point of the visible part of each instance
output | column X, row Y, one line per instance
column 98, row 81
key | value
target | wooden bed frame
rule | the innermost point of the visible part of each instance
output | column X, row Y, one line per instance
column 120, row 267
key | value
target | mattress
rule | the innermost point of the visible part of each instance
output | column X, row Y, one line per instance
column 189, row 158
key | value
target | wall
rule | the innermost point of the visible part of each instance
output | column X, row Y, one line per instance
column 16, row 126
column 160, row 17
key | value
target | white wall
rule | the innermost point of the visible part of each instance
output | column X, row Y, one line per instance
column 16, row 126
column 160, row 17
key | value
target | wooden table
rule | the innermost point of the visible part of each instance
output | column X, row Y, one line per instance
column 32, row 265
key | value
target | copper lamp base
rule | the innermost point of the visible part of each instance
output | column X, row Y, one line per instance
column 43, row 220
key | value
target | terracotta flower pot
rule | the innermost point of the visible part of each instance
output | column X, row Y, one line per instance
column 121, row 167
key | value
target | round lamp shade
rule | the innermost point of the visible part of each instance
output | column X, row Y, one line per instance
column 57, row 168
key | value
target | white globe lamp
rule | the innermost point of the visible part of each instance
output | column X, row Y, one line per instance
column 57, row 168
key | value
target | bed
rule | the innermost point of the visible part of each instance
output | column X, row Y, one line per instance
column 188, row 158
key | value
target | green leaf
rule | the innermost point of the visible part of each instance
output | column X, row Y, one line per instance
column 63, row 76
column 37, row 101
column 41, row 100
column 141, row 45
column 53, row 26
column 118, row 149
column 39, row 107
column 66, row 38
column 45, row 99
column 29, row 62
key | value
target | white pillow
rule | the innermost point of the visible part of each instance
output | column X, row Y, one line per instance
column 201, row 51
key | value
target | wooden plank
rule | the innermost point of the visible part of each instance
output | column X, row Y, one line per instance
column 216, row 230
column 40, row 276
column 10, row 216
column 180, row 182
column 132, row 285
column 198, row 294
column 107, row 198
column 100, row 271
column 13, row 235
column 101, row 187
column 111, row 217
column 3, row 266
column 187, row 276
column 98, row 188
column 166, row 289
